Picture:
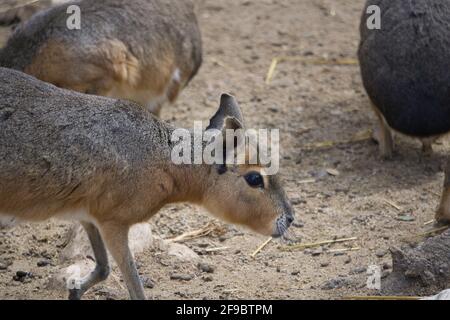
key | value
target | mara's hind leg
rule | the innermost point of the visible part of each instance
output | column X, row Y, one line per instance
column 427, row 145
column 116, row 239
column 383, row 136
column 156, row 105
column 102, row 268
column 171, row 96
column 443, row 212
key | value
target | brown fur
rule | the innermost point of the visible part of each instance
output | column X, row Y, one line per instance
column 148, row 62
column 107, row 163
column 109, row 69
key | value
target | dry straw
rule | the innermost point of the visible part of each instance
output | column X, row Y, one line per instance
column 313, row 61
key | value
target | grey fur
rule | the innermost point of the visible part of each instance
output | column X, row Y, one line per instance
column 63, row 152
column 142, row 50
column 405, row 65
column 157, row 20
column 20, row 11
column 69, row 138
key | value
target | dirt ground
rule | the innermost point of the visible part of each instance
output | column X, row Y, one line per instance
column 382, row 203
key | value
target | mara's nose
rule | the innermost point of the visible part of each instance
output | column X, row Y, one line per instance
column 290, row 219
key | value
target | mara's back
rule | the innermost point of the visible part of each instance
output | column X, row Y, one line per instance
column 56, row 145
column 142, row 50
column 405, row 64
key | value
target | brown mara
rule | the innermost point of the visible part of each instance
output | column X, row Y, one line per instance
column 107, row 163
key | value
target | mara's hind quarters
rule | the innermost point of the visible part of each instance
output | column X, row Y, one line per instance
column 404, row 67
column 145, row 51
column 108, row 163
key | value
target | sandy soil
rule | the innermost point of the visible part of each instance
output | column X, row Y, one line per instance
column 310, row 104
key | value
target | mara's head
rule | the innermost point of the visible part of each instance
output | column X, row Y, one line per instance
column 244, row 193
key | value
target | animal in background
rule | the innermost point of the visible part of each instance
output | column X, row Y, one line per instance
column 145, row 51
column 443, row 211
column 13, row 12
column 405, row 70
column 108, row 164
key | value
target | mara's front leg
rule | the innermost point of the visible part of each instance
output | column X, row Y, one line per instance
column 115, row 236
column 443, row 212
column 382, row 134
column 427, row 145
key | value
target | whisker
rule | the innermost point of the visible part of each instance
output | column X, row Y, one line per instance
column 289, row 236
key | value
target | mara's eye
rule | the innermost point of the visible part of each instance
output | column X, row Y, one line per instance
column 254, row 180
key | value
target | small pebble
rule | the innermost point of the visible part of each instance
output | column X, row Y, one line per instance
column 224, row 238
column 387, row 266
column 335, row 284
column 204, row 267
column 381, row 253
column 21, row 276
column 358, row 270
column 182, row 277
column 147, row 282
column 43, row 263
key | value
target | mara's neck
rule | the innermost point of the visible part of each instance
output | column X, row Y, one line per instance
column 190, row 183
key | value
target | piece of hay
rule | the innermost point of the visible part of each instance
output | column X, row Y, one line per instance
column 306, row 181
column 316, row 244
column 359, row 137
column 333, row 172
column 344, row 250
column 262, row 246
column 393, row 204
column 216, row 249
column 307, row 60
column 433, row 231
column 206, row 230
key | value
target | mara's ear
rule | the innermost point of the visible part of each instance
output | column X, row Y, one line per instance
column 228, row 116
